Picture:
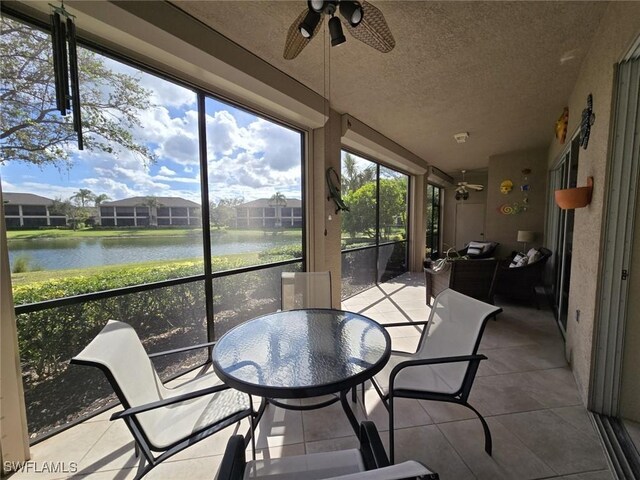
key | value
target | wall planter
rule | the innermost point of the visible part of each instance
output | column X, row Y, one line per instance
column 571, row 198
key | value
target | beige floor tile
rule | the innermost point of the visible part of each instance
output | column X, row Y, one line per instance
column 408, row 412
column 201, row 468
column 510, row 458
column 441, row 412
column 563, row 447
column 333, row 445
column 114, row 450
column 279, row 426
column 600, row 475
column 326, row 423
column 428, row 445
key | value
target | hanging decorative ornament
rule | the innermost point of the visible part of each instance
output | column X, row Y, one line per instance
column 561, row 125
column 65, row 66
column 588, row 119
column 525, row 188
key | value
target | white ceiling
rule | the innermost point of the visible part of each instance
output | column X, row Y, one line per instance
column 502, row 71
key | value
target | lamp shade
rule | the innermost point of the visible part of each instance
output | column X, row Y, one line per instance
column 526, row 236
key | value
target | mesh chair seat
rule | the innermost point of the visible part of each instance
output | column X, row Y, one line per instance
column 432, row 378
column 168, row 425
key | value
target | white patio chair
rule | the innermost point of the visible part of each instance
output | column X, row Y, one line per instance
column 162, row 419
column 445, row 363
column 306, row 290
column 370, row 462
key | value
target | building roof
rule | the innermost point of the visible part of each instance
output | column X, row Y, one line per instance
column 265, row 202
column 140, row 201
column 14, row 198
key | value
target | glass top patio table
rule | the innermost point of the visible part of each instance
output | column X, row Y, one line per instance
column 301, row 353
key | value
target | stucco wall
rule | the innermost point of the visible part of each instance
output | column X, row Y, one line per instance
column 615, row 34
column 504, row 228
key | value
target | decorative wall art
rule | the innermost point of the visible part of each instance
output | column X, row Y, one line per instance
column 561, row 125
column 506, row 186
column 511, row 208
column 588, row 119
column 525, row 188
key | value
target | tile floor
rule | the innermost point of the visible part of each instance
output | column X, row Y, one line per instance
column 525, row 390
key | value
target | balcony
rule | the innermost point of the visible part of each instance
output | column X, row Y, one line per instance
column 525, row 390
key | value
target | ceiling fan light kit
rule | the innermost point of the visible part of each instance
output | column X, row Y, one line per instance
column 364, row 22
column 309, row 24
column 335, row 30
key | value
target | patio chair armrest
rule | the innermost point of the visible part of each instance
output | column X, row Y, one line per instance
column 432, row 361
column 168, row 401
column 234, row 460
column 183, row 349
column 371, row 448
column 404, row 324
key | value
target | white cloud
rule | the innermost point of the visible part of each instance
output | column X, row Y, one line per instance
column 167, row 172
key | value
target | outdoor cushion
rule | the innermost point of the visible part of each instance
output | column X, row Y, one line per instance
column 534, row 255
column 520, row 260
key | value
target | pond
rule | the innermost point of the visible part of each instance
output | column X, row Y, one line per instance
column 67, row 253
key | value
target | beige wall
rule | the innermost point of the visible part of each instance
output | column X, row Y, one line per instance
column 615, row 34
column 450, row 203
column 630, row 390
column 504, row 228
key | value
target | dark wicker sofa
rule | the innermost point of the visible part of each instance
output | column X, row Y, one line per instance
column 488, row 251
column 521, row 282
column 474, row 278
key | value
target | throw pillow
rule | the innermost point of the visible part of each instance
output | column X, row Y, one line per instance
column 520, row 260
column 475, row 248
column 534, row 255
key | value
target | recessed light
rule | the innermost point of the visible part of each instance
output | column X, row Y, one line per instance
column 461, row 137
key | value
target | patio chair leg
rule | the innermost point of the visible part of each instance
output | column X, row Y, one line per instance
column 364, row 405
column 354, row 394
column 485, row 427
column 391, row 433
column 252, row 430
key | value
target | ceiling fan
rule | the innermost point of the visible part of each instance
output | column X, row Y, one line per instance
column 364, row 21
column 462, row 190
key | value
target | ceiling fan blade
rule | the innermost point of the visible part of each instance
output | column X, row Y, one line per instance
column 373, row 29
column 295, row 42
column 476, row 187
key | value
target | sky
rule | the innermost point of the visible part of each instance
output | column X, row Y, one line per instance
column 248, row 157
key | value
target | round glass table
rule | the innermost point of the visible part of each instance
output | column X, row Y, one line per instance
column 301, row 354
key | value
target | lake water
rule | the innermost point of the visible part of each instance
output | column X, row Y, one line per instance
column 66, row 253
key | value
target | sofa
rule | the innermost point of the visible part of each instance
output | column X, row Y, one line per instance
column 518, row 279
column 472, row 277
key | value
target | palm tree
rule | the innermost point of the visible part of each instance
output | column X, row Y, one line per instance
column 278, row 200
column 99, row 199
column 83, row 196
column 152, row 203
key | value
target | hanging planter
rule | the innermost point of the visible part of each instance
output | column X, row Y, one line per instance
column 571, row 198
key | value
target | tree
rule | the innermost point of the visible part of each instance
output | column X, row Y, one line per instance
column 83, row 197
column 278, row 200
column 222, row 212
column 77, row 215
column 362, row 203
column 33, row 131
column 100, row 199
column 152, row 203
column 352, row 178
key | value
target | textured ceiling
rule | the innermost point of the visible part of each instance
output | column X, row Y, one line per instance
column 500, row 71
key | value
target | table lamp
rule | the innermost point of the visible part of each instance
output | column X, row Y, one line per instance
column 525, row 236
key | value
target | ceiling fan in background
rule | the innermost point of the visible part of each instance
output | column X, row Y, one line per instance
column 462, row 190
column 363, row 21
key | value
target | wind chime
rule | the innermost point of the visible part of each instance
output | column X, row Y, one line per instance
column 65, row 67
